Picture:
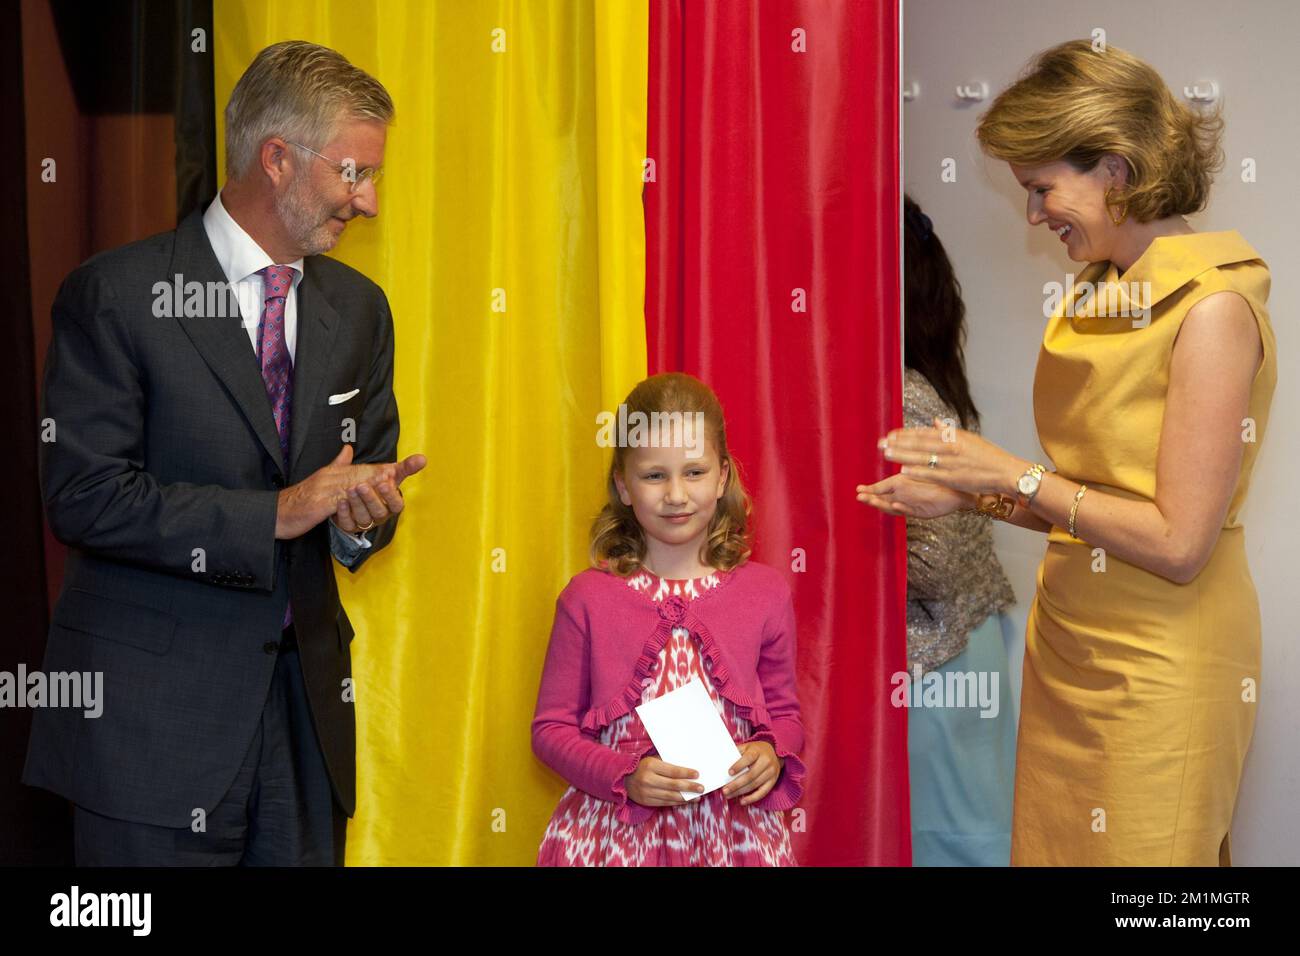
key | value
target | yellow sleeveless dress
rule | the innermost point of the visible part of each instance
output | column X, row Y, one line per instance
column 1137, row 706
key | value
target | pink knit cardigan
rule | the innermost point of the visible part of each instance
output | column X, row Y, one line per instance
column 605, row 643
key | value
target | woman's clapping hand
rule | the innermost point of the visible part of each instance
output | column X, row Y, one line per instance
column 953, row 457
column 901, row 495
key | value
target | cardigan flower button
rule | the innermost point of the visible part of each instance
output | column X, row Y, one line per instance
column 673, row 609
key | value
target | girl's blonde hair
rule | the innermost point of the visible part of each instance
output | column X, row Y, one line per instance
column 617, row 540
column 1074, row 103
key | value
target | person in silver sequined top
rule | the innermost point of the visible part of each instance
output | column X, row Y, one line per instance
column 954, row 580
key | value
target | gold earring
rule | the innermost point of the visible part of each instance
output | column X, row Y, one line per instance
column 1106, row 200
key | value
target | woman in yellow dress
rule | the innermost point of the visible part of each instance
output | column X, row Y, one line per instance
column 1151, row 398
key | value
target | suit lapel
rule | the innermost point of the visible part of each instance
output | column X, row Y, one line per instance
column 223, row 342
column 317, row 329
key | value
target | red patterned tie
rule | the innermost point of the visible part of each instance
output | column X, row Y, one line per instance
column 277, row 365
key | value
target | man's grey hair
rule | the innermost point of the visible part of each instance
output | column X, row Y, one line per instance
column 300, row 91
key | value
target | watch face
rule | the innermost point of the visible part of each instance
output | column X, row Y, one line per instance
column 1027, row 484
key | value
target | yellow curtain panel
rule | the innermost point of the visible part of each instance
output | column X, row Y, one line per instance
column 510, row 244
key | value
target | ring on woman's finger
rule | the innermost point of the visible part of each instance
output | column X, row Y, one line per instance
column 934, row 461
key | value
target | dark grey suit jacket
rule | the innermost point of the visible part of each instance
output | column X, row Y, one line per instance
column 164, row 444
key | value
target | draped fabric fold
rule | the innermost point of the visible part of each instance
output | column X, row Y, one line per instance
column 772, row 273
column 510, row 245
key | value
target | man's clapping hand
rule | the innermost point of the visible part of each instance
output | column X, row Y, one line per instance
column 356, row 495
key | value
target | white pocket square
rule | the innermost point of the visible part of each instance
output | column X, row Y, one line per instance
column 342, row 397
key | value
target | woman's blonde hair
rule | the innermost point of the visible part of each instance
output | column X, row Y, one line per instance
column 617, row 540
column 300, row 91
column 1075, row 103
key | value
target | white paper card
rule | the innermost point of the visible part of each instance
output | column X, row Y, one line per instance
column 688, row 731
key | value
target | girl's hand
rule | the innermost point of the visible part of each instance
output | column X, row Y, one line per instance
column 963, row 460
column 900, row 495
column 658, row 784
column 764, row 767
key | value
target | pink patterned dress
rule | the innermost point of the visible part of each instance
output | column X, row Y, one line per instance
column 709, row 831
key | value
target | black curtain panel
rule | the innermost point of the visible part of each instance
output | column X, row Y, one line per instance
column 196, row 119
column 143, row 56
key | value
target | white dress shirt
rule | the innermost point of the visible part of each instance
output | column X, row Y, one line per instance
column 240, row 259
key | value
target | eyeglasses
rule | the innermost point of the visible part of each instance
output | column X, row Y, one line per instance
column 348, row 170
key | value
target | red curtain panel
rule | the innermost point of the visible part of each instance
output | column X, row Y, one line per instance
column 772, row 273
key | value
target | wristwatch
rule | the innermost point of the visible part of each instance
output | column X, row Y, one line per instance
column 1027, row 484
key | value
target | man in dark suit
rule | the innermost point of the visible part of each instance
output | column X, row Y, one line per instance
column 207, row 462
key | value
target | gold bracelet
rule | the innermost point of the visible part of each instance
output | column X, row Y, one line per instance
column 995, row 506
column 1074, row 509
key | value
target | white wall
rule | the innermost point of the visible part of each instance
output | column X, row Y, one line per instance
column 1249, row 48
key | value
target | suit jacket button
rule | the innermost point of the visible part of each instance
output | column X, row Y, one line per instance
column 271, row 647
column 278, row 481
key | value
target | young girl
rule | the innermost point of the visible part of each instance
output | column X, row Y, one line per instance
column 671, row 598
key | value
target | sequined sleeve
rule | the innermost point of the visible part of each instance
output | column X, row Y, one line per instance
column 954, row 580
